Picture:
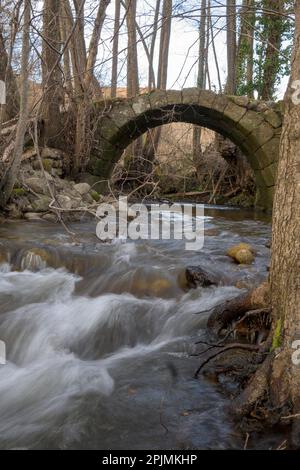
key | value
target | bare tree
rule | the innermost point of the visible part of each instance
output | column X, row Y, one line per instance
column 115, row 50
column 9, row 179
column 82, row 140
column 245, row 49
column 11, row 108
column 165, row 36
column 52, row 73
column 274, row 24
column 200, row 84
column 152, row 139
column 132, row 60
column 231, row 46
column 151, row 77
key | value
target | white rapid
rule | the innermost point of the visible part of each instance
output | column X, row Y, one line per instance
column 102, row 359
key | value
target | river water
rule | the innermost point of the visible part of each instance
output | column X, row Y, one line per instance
column 99, row 336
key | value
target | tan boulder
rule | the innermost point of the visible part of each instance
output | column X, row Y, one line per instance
column 243, row 253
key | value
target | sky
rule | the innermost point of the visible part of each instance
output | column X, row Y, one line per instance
column 183, row 53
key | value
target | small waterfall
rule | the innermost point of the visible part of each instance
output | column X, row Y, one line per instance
column 34, row 260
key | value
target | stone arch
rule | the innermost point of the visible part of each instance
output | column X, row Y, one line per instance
column 254, row 126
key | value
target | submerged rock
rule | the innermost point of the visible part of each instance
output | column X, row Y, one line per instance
column 243, row 253
column 155, row 287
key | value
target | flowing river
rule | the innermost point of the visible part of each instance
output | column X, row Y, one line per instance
column 100, row 336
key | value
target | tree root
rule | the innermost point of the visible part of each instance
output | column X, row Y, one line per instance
column 255, row 390
column 247, row 347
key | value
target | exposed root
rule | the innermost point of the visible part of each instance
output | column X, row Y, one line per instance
column 256, row 389
column 248, row 347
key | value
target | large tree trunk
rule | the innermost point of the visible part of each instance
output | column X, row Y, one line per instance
column 279, row 377
column 11, row 175
column 285, row 268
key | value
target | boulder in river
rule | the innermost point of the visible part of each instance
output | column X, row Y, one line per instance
column 198, row 277
column 243, row 253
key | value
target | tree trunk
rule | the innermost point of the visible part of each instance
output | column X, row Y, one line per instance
column 285, row 267
column 231, row 47
column 9, row 179
column 83, row 138
column 78, row 55
column 153, row 136
column 52, row 79
column 151, row 78
column 134, row 151
column 132, row 60
column 164, row 45
column 66, row 56
column 197, row 152
column 115, row 52
column 274, row 26
column 245, row 49
column 11, row 108
column 281, row 373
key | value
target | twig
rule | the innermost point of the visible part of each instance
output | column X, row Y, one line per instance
column 297, row 415
column 246, row 441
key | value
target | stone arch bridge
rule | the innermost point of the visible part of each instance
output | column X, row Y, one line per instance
column 254, row 126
